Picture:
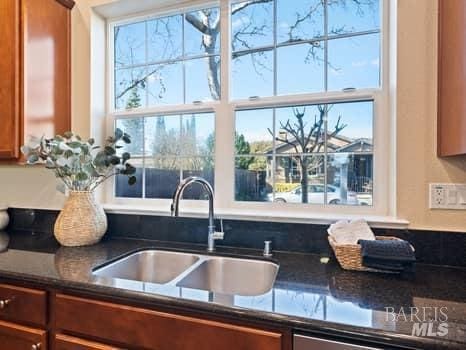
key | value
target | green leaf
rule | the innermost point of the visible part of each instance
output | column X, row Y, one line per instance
column 114, row 160
column 109, row 150
column 125, row 156
column 75, row 144
column 118, row 134
column 130, row 170
column 126, row 138
column 82, row 176
column 33, row 158
column 132, row 180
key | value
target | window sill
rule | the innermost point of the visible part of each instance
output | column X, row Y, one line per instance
column 262, row 215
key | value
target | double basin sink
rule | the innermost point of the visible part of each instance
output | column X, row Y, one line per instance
column 224, row 275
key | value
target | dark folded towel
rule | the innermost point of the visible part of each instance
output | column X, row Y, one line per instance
column 392, row 255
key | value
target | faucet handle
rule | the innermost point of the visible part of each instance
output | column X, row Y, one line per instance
column 218, row 235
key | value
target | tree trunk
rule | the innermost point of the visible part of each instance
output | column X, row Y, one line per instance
column 209, row 41
column 304, row 182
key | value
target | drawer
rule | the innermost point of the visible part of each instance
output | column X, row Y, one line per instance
column 148, row 329
column 65, row 342
column 16, row 337
column 302, row 342
column 23, row 304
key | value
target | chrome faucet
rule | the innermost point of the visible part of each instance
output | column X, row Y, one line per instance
column 212, row 234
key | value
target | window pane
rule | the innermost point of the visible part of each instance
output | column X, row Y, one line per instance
column 254, row 131
column 354, row 62
column 130, row 88
column 165, row 84
column 289, row 172
column 353, row 16
column 123, row 189
column 162, row 136
column 300, row 68
column 165, row 38
column 133, row 127
column 162, row 177
column 202, row 32
column 251, row 25
column 130, row 44
column 301, row 21
column 300, row 173
column 203, row 79
column 354, row 120
column 252, row 75
column 253, row 179
column 197, row 135
column 300, row 129
column 350, row 176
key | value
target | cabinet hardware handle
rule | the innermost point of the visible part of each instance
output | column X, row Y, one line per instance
column 36, row 346
column 5, row 302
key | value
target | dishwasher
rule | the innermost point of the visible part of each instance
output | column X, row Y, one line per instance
column 304, row 342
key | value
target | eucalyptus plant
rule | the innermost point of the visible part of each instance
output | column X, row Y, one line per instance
column 81, row 165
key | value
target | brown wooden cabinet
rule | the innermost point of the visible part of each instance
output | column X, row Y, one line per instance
column 17, row 337
column 35, row 71
column 66, row 342
column 36, row 319
column 138, row 328
column 451, row 124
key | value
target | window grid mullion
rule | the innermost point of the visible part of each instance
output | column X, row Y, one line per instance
column 326, row 109
column 183, row 52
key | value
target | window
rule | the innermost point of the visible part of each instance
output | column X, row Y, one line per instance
column 277, row 104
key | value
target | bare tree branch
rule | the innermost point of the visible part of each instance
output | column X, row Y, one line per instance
column 241, row 6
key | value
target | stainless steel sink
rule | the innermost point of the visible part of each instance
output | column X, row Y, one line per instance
column 232, row 276
column 155, row 266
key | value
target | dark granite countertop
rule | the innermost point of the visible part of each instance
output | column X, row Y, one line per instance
column 308, row 295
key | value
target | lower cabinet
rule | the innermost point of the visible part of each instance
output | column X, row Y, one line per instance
column 138, row 328
column 17, row 337
column 65, row 342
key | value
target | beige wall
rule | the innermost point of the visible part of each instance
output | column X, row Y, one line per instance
column 417, row 164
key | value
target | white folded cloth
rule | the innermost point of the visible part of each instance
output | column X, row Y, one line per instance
column 350, row 232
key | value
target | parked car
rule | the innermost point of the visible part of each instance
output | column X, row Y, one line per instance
column 315, row 195
column 364, row 199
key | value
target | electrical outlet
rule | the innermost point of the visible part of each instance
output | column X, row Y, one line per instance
column 447, row 196
column 437, row 196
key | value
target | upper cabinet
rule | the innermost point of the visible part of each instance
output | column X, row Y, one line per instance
column 451, row 124
column 35, row 66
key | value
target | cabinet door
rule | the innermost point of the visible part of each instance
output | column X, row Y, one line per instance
column 65, row 342
column 9, row 80
column 16, row 337
column 148, row 329
column 451, row 126
column 46, row 72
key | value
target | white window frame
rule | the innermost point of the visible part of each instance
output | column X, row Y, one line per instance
column 383, row 194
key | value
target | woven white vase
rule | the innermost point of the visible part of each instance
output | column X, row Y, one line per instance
column 81, row 222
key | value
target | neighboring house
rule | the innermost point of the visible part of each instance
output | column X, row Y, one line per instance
column 359, row 162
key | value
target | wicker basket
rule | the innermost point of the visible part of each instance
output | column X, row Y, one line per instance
column 81, row 222
column 349, row 255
